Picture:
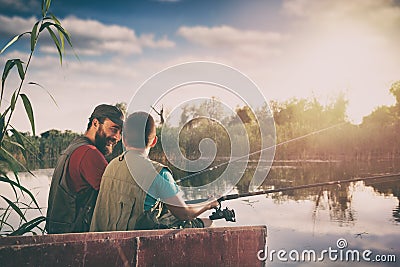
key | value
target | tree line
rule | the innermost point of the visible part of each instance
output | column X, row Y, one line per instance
column 377, row 137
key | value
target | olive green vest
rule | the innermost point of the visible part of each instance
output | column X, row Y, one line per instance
column 68, row 211
column 123, row 191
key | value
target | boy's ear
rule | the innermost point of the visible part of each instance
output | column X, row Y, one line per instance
column 154, row 142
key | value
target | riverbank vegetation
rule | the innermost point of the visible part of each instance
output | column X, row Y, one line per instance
column 16, row 148
column 377, row 137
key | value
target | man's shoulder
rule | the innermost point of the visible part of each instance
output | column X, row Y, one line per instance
column 87, row 150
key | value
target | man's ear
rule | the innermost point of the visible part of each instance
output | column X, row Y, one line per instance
column 95, row 123
column 154, row 142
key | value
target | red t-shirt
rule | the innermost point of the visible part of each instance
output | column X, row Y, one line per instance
column 86, row 167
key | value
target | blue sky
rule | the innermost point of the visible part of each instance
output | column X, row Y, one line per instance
column 289, row 48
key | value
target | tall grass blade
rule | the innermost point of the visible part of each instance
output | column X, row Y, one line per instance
column 56, row 42
column 52, row 98
column 13, row 40
column 13, row 100
column 45, row 25
column 7, row 67
column 3, row 221
column 29, row 111
column 65, row 33
column 34, row 36
column 28, row 226
column 20, row 146
column 12, row 186
column 42, row 8
column 48, row 2
column 20, row 187
column 26, row 140
column 14, row 207
column 60, row 33
column 2, row 125
column 11, row 161
column 20, row 68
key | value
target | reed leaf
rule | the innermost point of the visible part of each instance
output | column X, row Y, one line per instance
column 64, row 32
column 45, row 7
column 57, row 43
column 15, row 144
column 19, row 145
column 28, row 226
column 54, row 18
column 34, row 36
column 20, row 69
column 48, row 2
column 3, row 222
column 56, row 21
column 12, row 186
column 24, row 138
column 2, row 125
column 7, row 67
column 11, row 161
column 13, row 100
column 20, row 187
column 52, row 98
column 13, row 40
column 29, row 111
column 59, row 28
column 45, row 25
column 42, row 9
column 3, row 219
column 15, row 207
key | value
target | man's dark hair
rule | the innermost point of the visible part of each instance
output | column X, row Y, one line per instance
column 139, row 129
column 104, row 111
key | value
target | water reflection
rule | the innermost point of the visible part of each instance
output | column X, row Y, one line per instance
column 366, row 214
column 338, row 198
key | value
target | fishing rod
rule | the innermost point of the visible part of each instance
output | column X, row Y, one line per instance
column 256, row 152
column 229, row 214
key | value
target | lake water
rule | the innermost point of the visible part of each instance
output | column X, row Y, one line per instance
column 352, row 218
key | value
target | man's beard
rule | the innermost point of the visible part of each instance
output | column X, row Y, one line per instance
column 103, row 143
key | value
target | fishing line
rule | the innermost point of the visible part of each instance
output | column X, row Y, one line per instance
column 277, row 190
column 389, row 180
column 256, row 152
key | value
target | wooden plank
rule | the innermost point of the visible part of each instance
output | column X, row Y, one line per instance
column 223, row 246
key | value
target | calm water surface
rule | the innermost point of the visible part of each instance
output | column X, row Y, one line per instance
column 366, row 216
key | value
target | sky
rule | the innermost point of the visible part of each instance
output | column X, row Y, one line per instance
column 288, row 48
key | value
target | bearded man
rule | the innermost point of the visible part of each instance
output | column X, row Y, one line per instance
column 77, row 175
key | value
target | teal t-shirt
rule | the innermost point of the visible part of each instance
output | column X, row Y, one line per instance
column 163, row 187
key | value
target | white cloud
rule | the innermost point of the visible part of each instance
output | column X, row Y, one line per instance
column 332, row 47
column 95, row 38
column 15, row 25
column 20, row 5
column 226, row 36
column 383, row 13
column 233, row 41
column 91, row 37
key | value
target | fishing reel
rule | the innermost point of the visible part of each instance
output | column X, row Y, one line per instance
column 227, row 214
